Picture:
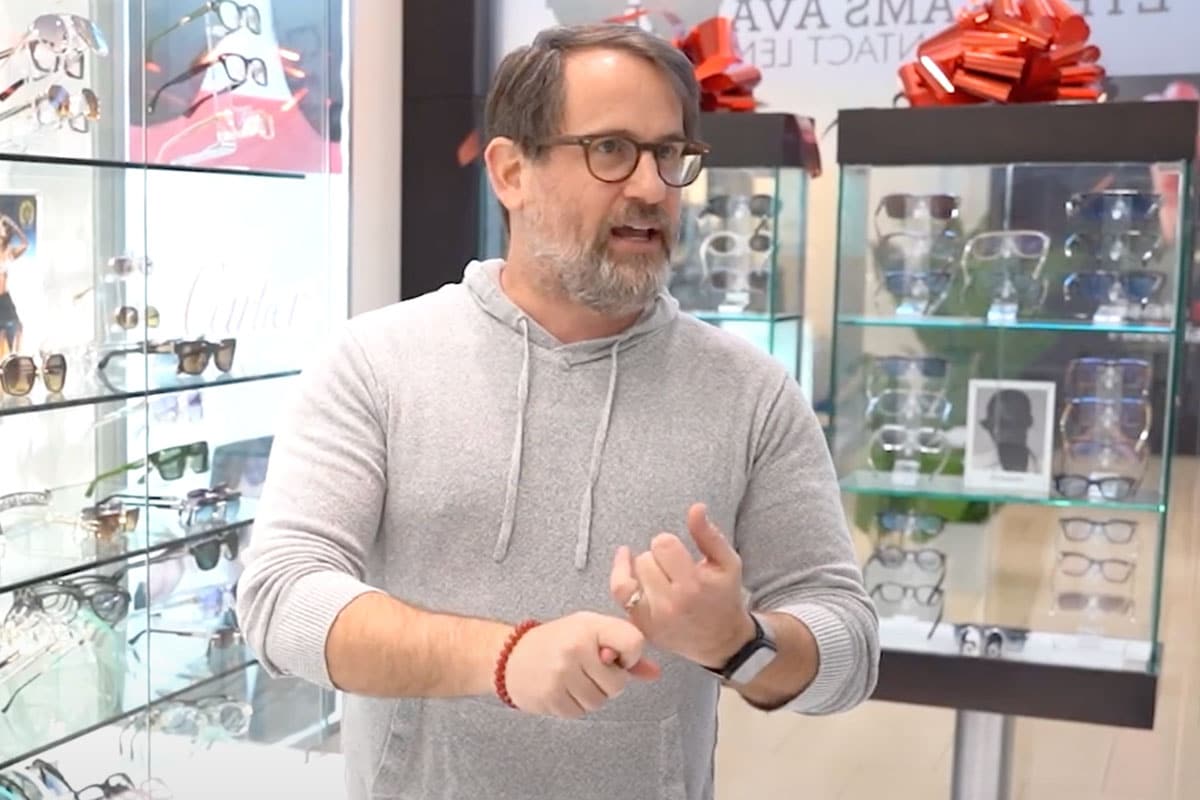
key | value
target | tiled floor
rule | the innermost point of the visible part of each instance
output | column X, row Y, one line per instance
column 900, row 752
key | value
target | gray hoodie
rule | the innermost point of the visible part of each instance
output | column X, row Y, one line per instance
column 451, row 452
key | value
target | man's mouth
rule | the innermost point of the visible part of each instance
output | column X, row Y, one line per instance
column 636, row 233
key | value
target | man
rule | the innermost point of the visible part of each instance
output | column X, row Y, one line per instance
column 529, row 445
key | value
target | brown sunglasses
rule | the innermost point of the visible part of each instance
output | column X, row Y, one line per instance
column 19, row 373
column 192, row 355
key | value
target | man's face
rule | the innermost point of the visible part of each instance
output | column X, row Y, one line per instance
column 589, row 237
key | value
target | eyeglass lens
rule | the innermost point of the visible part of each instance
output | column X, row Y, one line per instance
column 234, row 16
column 892, row 521
column 614, row 159
column 1080, row 529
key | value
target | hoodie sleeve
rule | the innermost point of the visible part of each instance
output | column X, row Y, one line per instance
column 318, row 517
column 797, row 555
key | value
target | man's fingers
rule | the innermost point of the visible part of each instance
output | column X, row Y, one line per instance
column 673, row 558
column 651, row 578
column 622, row 583
column 708, row 537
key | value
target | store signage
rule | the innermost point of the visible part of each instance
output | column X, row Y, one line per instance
column 786, row 34
column 227, row 302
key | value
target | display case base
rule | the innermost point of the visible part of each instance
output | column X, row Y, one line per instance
column 982, row 756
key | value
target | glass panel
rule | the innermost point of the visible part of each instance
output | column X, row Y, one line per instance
column 740, row 260
column 171, row 250
column 1008, row 335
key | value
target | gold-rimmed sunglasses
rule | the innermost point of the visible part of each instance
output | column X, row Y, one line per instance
column 18, row 374
column 58, row 106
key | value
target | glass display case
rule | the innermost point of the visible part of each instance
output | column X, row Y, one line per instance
column 1010, row 310
column 172, row 247
column 740, row 259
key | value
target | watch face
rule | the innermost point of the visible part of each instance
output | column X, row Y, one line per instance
column 752, row 666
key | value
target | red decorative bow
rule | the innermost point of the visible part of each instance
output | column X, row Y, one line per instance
column 1007, row 51
column 726, row 82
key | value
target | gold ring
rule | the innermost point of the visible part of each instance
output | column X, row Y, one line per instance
column 633, row 600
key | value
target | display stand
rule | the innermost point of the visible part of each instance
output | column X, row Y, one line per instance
column 1031, row 410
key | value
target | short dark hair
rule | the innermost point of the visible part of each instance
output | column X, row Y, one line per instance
column 526, row 98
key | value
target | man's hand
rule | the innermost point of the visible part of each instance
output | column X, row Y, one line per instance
column 574, row 665
column 692, row 608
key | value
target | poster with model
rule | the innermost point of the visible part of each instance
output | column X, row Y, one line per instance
column 1010, row 435
column 252, row 85
column 18, row 243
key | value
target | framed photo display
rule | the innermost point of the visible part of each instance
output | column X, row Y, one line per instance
column 1010, row 435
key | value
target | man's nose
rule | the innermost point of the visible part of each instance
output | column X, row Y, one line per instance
column 645, row 184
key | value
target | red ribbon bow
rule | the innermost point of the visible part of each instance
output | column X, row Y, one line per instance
column 726, row 82
column 1007, row 51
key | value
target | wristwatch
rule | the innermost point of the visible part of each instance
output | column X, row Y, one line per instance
column 753, row 658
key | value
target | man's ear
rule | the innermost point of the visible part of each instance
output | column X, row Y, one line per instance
column 506, row 171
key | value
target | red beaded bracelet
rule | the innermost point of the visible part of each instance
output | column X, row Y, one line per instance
column 502, row 662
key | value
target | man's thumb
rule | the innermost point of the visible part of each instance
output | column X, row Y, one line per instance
column 644, row 669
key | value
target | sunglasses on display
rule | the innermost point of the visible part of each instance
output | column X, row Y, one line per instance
column 724, row 279
column 1024, row 245
column 16, row 786
column 1094, row 377
column 613, row 159
column 1079, row 486
column 1086, row 601
column 904, row 367
column 1138, row 247
column 58, row 41
column 726, row 206
column 1118, row 205
column 109, row 518
column 238, row 70
column 900, row 404
column 941, row 207
column 57, row 106
column 18, row 374
column 205, row 506
column 193, row 356
column 127, row 317
column 925, row 559
column 1106, row 286
column 902, row 284
column 192, row 717
column 170, row 462
column 231, row 16
column 228, row 126
column 1080, row 565
column 1081, row 529
column 907, row 250
column 926, row 526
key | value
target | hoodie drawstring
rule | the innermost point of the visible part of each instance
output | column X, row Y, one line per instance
column 584, row 540
column 514, row 464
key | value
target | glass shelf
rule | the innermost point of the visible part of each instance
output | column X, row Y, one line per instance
column 53, row 561
column 95, row 394
column 976, row 324
column 743, row 316
column 102, row 163
column 174, row 677
column 950, row 487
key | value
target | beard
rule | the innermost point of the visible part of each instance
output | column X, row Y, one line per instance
column 587, row 272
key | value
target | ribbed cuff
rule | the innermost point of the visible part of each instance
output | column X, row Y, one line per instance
column 835, row 648
column 300, row 625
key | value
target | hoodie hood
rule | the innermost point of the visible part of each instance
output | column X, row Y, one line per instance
column 482, row 280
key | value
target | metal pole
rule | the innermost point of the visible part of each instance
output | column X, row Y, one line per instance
column 982, row 756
